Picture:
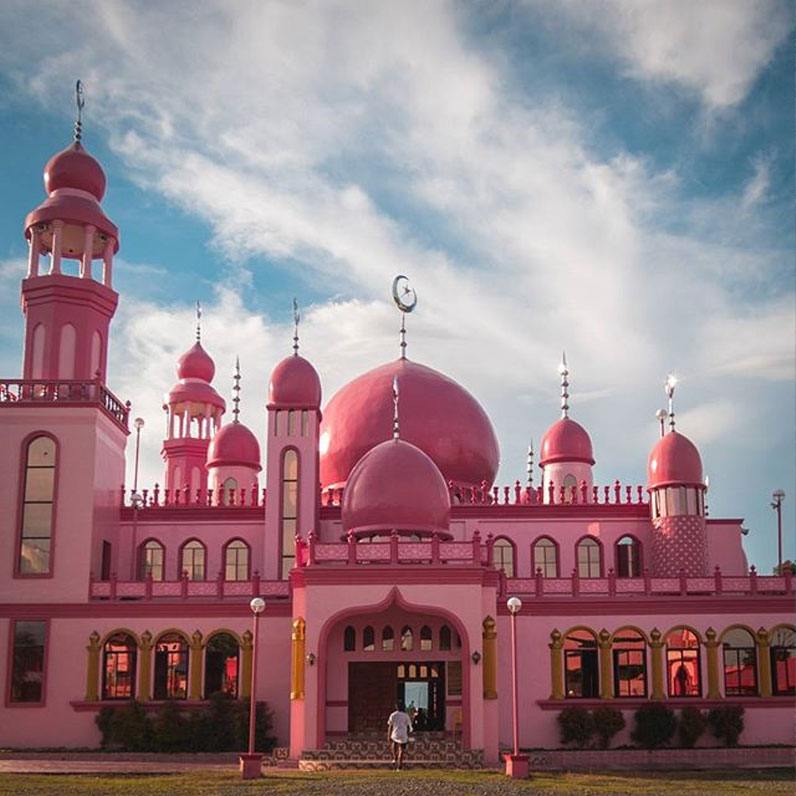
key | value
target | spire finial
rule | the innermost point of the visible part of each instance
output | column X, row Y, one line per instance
column 198, row 322
column 80, row 102
column 236, row 390
column 396, row 428
column 530, row 463
column 296, row 321
column 564, row 371
column 668, row 386
column 405, row 299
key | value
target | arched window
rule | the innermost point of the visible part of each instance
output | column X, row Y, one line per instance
column 628, row 558
column 740, row 662
column 171, row 667
column 119, row 666
column 545, row 557
column 193, row 560
column 368, row 639
column 36, row 509
column 581, row 668
column 503, row 556
column 289, row 519
column 426, row 642
column 407, row 639
column 570, row 488
column 444, row 638
column 682, row 663
column 349, row 639
column 630, row 663
column 387, row 639
column 222, row 665
column 152, row 556
column 236, row 561
column 783, row 661
column 589, row 558
column 229, row 491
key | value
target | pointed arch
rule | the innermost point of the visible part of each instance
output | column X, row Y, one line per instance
column 628, row 556
column 589, row 556
column 193, row 559
column 504, row 556
column 546, row 556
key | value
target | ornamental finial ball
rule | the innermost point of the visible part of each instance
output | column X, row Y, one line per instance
column 514, row 604
column 257, row 605
column 139, row 422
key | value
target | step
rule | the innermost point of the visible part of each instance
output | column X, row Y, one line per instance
column 352, row 763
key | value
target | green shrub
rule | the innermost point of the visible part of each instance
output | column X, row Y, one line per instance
column 607, row 722
column 654, row 726
column 170, row 728
column 126, row 728
column 576, row 726
column 263, row 727
column 691, row 726
column 726, row 723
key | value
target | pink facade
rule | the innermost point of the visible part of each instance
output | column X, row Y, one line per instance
column 383, row 549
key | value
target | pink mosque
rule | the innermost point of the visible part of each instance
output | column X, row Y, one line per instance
column 373, row 529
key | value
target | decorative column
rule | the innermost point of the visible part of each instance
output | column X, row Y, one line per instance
column 656, row 656
column 556, row 665
column 92, row 667
column 606, row 679
column 88, row 251
column 297, row 663
column 107, row 263
column 764, row 662
column 246, row 646
column 57, row 244
column 490, row 658
column 712, row 645
column 195, row 681
column 145, row 659
column 34, row 253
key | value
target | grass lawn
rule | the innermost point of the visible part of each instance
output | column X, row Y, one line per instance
column 411, row 783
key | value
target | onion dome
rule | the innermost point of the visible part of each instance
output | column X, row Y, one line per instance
column 196, row 363
column 295, row 383
column 566, row 441
column 437, row 415
column 75, row 168
column 234, row 445
column 395, row 485
column 674, row 461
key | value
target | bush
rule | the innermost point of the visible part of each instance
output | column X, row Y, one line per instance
column 654, row 726
column 607, row 722
column 576, row 726
column 726, row 723
column 691, row 726
column 126, row 728
column 171, row 728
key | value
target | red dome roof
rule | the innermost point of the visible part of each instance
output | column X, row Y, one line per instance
column 294, row 382
column 234, row 444
column 74, row 168
column 437, row 414
column 674, row 460
column 396, row 486
column 195, row 391
column 196, row 363
column 566, row 441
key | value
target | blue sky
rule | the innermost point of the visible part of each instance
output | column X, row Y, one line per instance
column 612, row 178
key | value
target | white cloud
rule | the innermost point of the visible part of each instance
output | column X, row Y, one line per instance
column 757, row 186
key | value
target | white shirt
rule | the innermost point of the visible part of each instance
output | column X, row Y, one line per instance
column 401, row 726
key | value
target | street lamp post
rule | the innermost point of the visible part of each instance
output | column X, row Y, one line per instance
column 139, row 424
column 516, row 764
column 777, row 496
column 251, row 763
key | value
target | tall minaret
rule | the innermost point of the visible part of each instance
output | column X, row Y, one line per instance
column 68, row 310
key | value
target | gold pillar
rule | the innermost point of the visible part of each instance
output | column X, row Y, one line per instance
column 490, row 658
column 195, row 679
column 606, row 679
column 556, row 665
column 145, row 658
column 656, row 656
column 246, row 647
column 297, row 663
column 712, row 645
column 764, row 662
column 92, row 667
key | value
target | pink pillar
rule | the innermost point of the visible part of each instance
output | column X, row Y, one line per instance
column 34, row 253
column 55, row 255
column 107, row 263
column 516, row 764
column 88, row 251
column 251, row 763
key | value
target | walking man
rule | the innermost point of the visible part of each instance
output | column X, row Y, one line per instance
column 399, row 725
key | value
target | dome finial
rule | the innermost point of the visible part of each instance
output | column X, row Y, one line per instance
column 236, row 391
column 668, row 386
column 296, row 321
column 396, row 428
column 80, row 102
column 405, row 299
column 530, row 463
column 564, row 371
column 198, row 322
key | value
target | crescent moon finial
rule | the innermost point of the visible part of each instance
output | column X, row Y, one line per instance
column 296, row 321
column 405, row 299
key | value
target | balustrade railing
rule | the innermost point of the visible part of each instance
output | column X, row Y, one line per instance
column 185, row 497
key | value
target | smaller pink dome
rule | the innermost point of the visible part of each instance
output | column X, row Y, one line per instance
column 195, row 391
column 295, row 382
column 234, row 445
column 196, row 363
column 674, row 460
column 396, row 486
column 74, row 168
column 566, row 441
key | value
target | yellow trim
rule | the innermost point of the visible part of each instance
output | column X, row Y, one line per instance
column 490, row 658
column 764, row 661
column 556, row 665
column 92, row 667
column 195, row 666
column 145, row 646
column 298, row 643
column 737, row 627
column 126, row 630
column 630, row 627
column 606, row 678
column 712, row 645
column 656, row 661
column 683, row 627
column 246, row 647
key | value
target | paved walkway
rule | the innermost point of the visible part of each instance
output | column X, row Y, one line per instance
column 76, row 763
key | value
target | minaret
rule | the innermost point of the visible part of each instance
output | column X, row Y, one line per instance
column 68, row 310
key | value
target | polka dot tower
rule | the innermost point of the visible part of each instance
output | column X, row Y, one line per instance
column 679, row 543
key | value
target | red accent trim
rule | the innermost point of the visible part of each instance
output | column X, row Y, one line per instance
column 399, row 573
column 36, row 617
column 565, row 457
column 533, row 555
column 139, row 609
column 625, row 703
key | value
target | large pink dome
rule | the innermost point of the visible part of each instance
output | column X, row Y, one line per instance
column 75, row 168
column 674, row 460
column 436, row 414
column 234, row 445
column 566, row 441
column 294, row 382
column 396, row 486
column 196, row 363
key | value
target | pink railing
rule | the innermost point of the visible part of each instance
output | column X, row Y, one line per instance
column 194, row 498
column 32, row 392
